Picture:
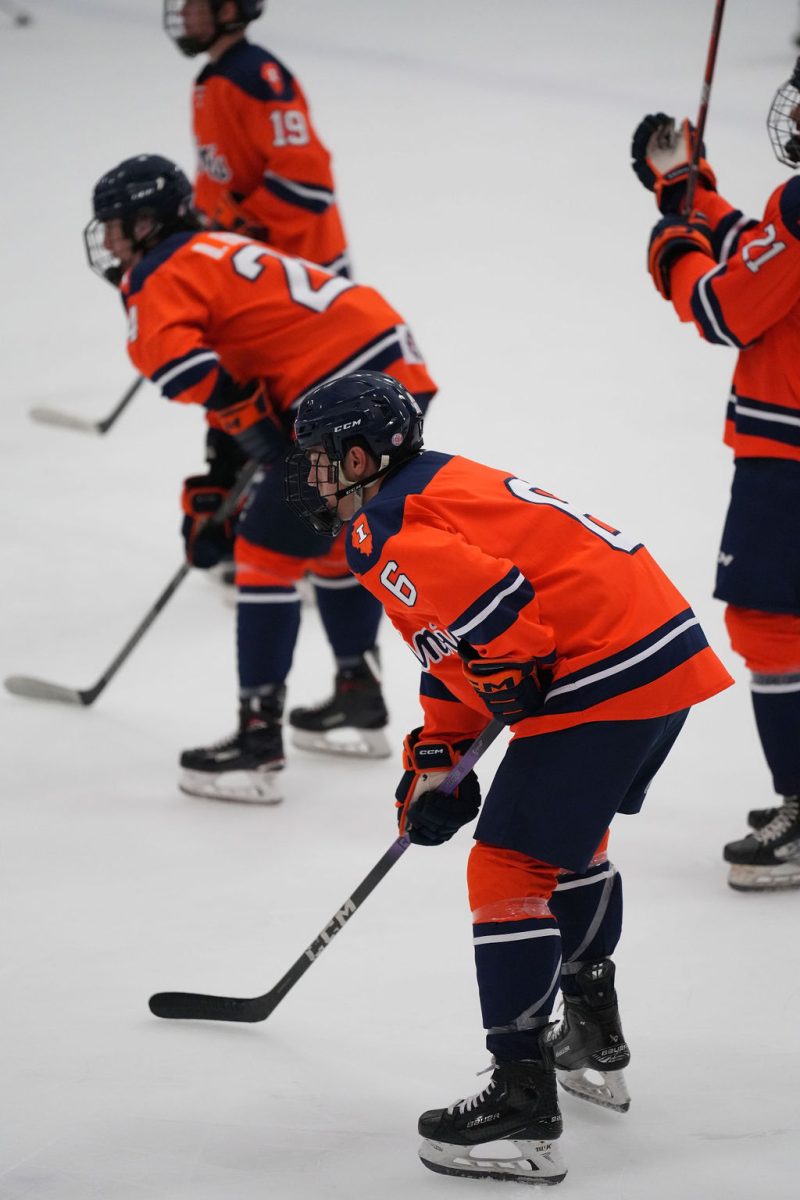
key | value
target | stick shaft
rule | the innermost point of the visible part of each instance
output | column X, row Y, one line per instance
column 702, row 113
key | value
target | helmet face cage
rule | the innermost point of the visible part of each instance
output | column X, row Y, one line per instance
column 101, row 260
column 190, row 45
column 783, row 121
column 303, row 497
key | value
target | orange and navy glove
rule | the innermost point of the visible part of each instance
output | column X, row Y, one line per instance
column 206, row 544
column 427, row 816
column 671, row 238
column 510, row 690
column 661, row 155
column 244, row 412
column 231, row 216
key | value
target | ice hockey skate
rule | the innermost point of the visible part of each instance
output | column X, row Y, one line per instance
column 768, row 859
column 588, row 1047
column 243, row 767
column 508, row 1131
column 352, row 722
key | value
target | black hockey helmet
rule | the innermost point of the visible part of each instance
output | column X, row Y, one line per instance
column 190, row 45
column 783, row 120
column 366, row 408
column 147, row 185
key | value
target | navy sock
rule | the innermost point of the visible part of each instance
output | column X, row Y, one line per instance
column 588, row 908
column 518, row 965
column 349, row 613
column 267, row 623
column 777, row 713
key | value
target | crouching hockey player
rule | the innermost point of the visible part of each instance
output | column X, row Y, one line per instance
column 519, row 607
column 738, row 281
column 220, row 320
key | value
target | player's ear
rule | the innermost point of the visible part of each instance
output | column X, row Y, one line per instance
column 357, row 464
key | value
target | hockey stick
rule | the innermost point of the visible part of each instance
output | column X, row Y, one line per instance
column 41, row 689
column 195, row 1006
column 705, row 95
column 53, row 416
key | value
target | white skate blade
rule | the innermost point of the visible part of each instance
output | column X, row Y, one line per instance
column 346, row 741
column 244, row 787
column 765, row 879
column 606, row 1088
column 513, row 1159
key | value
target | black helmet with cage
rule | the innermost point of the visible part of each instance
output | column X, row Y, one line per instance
column 147, row 185
column 367, row 409
column 783, row 120
column 224, row 16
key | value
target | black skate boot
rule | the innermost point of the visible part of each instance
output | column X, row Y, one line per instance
column 757, row 818
column 353, row 720
column 769, row 858
column 243, row 766
column 589, row 1037
column 518, row 1108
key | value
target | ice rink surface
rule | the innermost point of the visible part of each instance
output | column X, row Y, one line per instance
column 481, row 152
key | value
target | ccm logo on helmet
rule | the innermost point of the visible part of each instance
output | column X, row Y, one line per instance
column 347, row 425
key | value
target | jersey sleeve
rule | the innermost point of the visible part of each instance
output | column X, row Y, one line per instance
column 296, row 179
column 734, row 301
column 167, row 323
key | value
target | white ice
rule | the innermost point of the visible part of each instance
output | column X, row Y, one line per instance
column 482, row 159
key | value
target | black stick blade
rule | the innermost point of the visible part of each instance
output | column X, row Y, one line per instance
column 64, row 420
column 40, row 689
column 194, row 1006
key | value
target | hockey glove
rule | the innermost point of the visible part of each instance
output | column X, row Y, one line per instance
column 206, row 544
column 245, row 412
column 229, row 215
column 510, row 690
column 671, row 238
column 661, row 155
column 427, row 816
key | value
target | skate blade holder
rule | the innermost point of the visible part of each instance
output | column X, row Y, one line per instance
column 606, row 1088
column 236, row 787
column 510, row 1159
column 765, row 878
column 346, row 741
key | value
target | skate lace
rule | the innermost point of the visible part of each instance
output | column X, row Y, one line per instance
column 470, row 1102
column 223, row 743
column 781, row 823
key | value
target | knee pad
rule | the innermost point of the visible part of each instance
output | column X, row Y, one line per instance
column 769, row 643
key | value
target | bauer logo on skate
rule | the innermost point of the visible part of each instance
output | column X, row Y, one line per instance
column 331, row 929
column 361, row 536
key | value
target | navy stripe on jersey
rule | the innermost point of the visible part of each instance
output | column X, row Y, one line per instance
column 254, row 70
column 309, row 196
column 725, row 238
column 385, row 512
column 789, row 205
column 434, row 689
column 673, row 643
column 180, row 374
column 707, row 311
column 375, row 355
column 153, row 260
column 494, row 611
column 756, row 418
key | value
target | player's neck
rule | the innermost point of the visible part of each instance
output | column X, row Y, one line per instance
column 224, row 43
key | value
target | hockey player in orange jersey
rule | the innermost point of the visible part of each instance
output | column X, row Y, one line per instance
column 738, row 281
column 520, row 606
column 219, row 320
column 261, row 167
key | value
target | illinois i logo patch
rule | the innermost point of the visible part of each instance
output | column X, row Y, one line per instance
column 271, row 75
column 361, row 535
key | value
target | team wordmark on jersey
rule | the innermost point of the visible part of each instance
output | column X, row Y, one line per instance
column 213, row 164
column 431, row 644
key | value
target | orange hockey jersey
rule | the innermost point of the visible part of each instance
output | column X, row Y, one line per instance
column 258, row 155
column 457, row 550
column 749, row 297
column 203, row 306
